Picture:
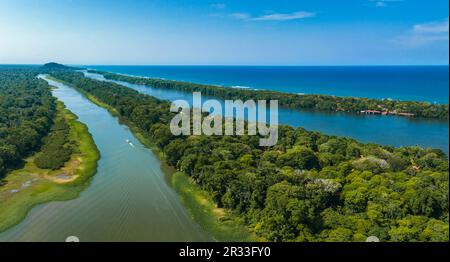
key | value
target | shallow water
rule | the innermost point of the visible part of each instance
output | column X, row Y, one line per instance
column 127, row 200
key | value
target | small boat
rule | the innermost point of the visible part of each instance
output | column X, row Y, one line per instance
column 129, row 142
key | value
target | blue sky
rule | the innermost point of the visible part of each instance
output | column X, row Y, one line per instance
column 235, row 32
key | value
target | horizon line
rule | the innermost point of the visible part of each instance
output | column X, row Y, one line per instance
column 230, row 65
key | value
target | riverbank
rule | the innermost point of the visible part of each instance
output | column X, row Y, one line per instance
column 314, row 102
column 403, row 131
column 406, row 83
column 218, row 222
column 306, row 173
column 221, row 223
column 30, row 186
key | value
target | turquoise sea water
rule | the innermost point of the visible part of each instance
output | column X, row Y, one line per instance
column 418, row 83
column 386, row 130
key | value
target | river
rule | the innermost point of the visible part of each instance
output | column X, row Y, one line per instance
column 128, row 199
column 386, row 130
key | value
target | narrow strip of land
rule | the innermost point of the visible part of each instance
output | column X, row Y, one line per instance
column 220, row 223
column 309, row 187
column 298, row 101
column 31, row 185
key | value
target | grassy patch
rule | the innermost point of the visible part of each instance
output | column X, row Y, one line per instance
column 221, row 224
column 31, row 186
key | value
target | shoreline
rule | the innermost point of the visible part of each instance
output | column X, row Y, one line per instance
column 31, row 186
column 266, row 88
column 357, row 157
column 221, row 224
column 335, row 104
column 340, row 121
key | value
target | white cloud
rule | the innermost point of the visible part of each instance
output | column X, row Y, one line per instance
column 415, row 41
column 284, row 17
column 432, row 28
column 241, row 16
column 425, row 34
column 383, row 3
column 273, row 16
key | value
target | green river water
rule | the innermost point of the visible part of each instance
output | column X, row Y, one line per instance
column 129, row 199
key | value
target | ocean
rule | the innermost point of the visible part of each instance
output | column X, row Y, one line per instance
column 386, row 130
column 415, row 83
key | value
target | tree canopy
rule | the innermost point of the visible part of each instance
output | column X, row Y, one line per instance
column 26, row 112
column 309, row 187
column 296, row 101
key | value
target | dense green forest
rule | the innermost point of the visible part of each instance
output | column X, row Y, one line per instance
column 309, row 187
column 57, row 147
column 26, row 112
column 308, row 102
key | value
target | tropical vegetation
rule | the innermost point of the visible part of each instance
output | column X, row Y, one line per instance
column 27, row 109
column 45, row 153
column 298, row 101
column 309, row 187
